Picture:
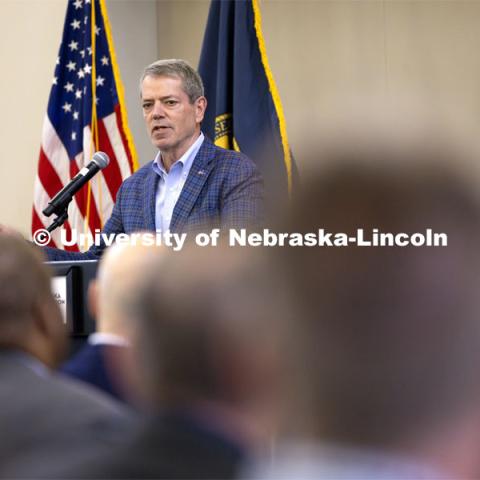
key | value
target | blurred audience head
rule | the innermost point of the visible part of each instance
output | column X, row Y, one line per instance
column 120, row 271
column 30, row 319
column 391, row 334
column 210, row 325
column 110, row 298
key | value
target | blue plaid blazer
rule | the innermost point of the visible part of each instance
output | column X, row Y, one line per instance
column 224, row 189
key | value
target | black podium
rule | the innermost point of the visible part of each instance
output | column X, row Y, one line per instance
column 70, row 286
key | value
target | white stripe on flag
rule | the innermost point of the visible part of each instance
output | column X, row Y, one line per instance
column 55, row 151
column 41, row 200
column 101, row 196
column 113, row 132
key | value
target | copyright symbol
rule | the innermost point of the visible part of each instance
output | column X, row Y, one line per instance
column 41, row 237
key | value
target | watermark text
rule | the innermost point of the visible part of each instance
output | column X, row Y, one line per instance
column 245, row 238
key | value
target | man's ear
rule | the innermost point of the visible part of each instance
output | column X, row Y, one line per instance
column 40, row 318
column 132, row 377
column 49, row 335
column 200, row 107
column 92, row 297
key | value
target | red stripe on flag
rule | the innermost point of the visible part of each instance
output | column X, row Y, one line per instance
column 48, row 176
column 73, row 169
column 118, row 115
column 111, row 173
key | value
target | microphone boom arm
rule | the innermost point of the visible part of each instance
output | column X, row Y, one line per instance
column 59, row 221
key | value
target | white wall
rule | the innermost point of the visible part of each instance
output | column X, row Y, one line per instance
column 181, row 25
column 336, row 51
column 327, row 53
column 134, row 30
column 30, row 34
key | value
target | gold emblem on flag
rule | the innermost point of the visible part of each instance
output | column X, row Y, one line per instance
column 224, row 132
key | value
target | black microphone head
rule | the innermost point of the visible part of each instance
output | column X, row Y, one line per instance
column 101, row 159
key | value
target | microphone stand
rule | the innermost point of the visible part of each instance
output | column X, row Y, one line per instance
column 60, row 220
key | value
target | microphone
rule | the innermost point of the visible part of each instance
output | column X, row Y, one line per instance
column 61, row 200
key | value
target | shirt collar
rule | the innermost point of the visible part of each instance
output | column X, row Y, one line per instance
column 186, row 159
column 103, row 338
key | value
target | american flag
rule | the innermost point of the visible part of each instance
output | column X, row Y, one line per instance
column 86, row 113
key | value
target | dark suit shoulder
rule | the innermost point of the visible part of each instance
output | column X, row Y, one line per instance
column 171, row 447
column 226, row 157
column 91, row 365
column 140, row 175
column 234, row 168
column 23, row 389
column 47, row 416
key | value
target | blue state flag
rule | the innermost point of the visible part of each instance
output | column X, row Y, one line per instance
column 244, row 111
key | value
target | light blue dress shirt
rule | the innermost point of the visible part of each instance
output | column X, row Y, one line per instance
column 171, row 183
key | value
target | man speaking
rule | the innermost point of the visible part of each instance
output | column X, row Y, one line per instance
column 191, row 185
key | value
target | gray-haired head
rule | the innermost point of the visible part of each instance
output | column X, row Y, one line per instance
column 176, row 68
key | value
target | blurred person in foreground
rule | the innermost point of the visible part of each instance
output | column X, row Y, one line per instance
column 102, row 361
column 44, row 417
column 207, row 351
column 388, row 338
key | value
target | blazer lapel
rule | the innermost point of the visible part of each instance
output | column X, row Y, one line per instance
column 201, row 168
column 149, row 190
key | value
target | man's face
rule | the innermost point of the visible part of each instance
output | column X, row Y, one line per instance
column 173, row 123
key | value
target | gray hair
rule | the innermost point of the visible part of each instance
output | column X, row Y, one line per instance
column 192, row 82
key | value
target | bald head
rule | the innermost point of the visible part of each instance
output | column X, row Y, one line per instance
column 120, row 271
